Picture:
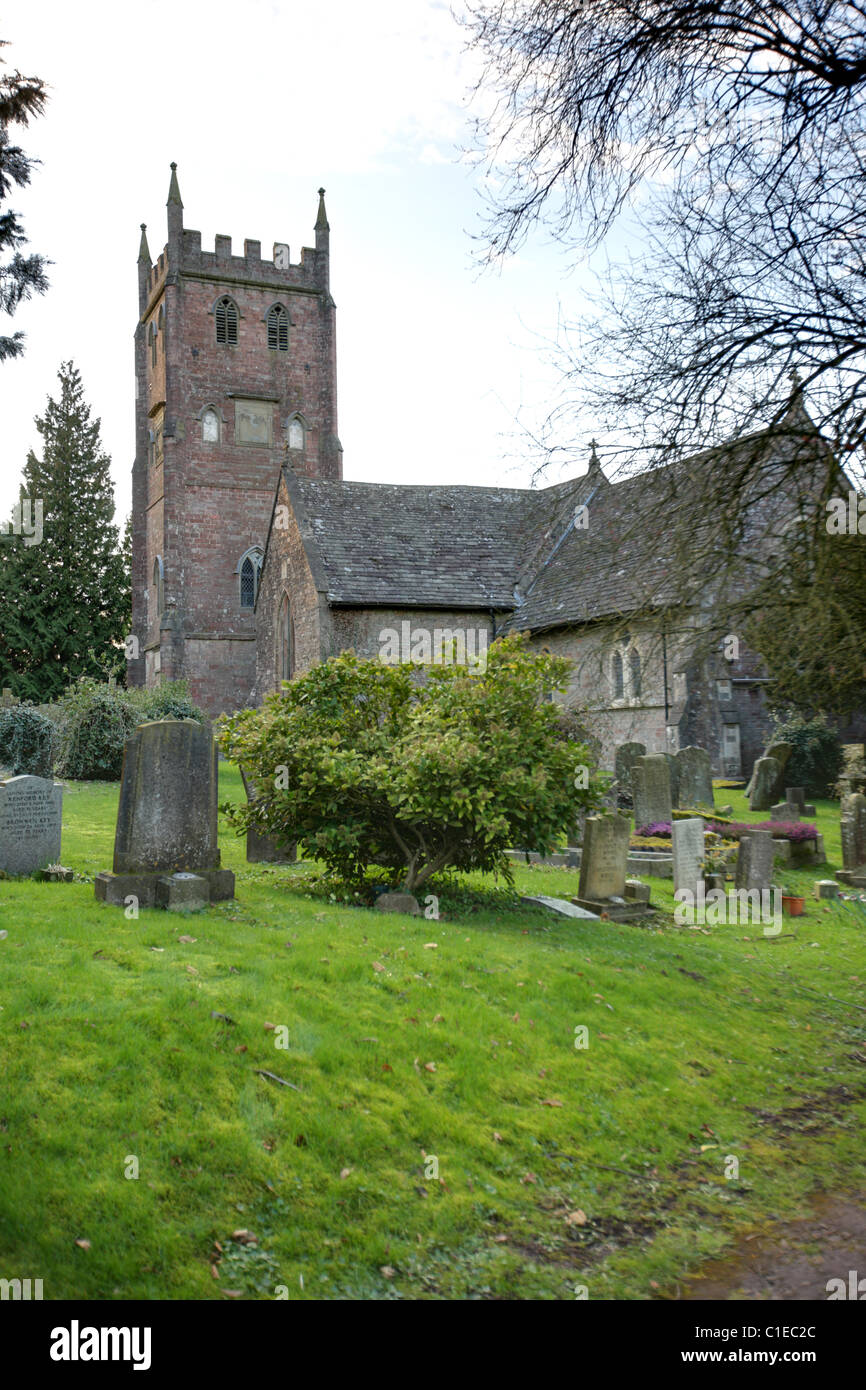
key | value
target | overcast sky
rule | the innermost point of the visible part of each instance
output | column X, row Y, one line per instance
column 260, row 103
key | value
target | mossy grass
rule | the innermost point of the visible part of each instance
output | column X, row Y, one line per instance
column 557, row 1165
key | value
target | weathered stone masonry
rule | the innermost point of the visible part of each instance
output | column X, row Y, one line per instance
column 201, row 504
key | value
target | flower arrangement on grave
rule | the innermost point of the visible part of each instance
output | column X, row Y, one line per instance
column 795, row 831
column 657, row 829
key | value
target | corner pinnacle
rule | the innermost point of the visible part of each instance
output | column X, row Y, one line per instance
column 174, row 188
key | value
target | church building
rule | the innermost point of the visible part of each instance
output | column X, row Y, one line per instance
column 254, row 559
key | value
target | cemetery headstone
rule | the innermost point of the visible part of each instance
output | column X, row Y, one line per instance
column 797, row 796
column 853, row 826
column 603, row 867
column 764, row 780
column 695, row 778
column 785, row 811
column 263, row 848
column 30, row 821
column 755, row 862
column 688, row 847
column 651, row 789
column 674, row 771
column 781, row 751
column 167, row 819
column 624, row 760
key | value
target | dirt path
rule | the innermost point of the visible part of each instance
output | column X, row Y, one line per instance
column 792, row 1260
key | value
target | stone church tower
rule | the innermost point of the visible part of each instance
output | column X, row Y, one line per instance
column 235, row 372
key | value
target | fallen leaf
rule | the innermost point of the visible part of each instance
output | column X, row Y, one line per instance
column 378, row 966
column 233, row 1293
column 188, row 940
column 515, row 1018
column 576, row 1218
column 344, row 1172
column 241, row 1048
column 429, row 1066
column 83, row 1244
column 388, row 1271
column 439, row 1019
column 215, row 1274
column 529, row 1177
column 191, row 970
column 386, row 1067
column 499, row 1240
column 244, row 1237
column 431, row 945
column 497, row 1136
column 558, row 1103
column 269, row 1027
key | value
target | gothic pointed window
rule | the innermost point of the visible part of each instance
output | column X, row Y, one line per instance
column 296, row 433
column 285, row 640
column 278, row 328
column 617, row 676
column 226, row 315
column 158, row 586
column 250, row 569
column 634, row 672
column 151, row 337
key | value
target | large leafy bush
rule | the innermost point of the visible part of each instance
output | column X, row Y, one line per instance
column 27, row 741
column 817, row 758
column 366, row 764
column 98, row 718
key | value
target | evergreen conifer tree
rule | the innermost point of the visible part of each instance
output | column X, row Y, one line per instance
column 64, row 595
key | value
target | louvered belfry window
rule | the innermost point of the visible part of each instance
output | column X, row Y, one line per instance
column 248, row 584
column 278, row 328
column 226, row 321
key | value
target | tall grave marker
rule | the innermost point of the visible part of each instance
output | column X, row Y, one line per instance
column 165, row 846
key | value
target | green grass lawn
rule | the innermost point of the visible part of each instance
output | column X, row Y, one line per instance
column 409, row 1040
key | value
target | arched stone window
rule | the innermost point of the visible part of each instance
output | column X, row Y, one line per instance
column 160, row 325
column 210, row 426
column 249, row 572
column 617, row 679
column 634, row 673
column 285, row 640
column 278, row 328
column 297, row 436
column 158, row 586
column 226, row 318
column 151, row 338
